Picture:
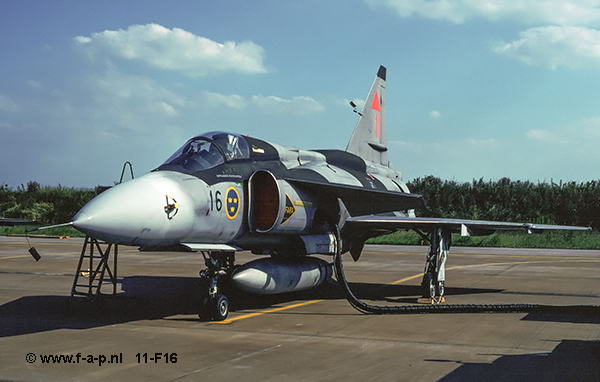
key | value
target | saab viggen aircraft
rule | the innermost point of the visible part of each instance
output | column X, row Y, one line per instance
column 224, row 192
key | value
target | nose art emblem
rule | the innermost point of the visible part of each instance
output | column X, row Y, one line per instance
column 171, row 209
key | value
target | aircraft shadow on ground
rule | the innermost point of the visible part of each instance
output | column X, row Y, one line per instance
column 146, row 297
column 571, row 360
column 571, row 314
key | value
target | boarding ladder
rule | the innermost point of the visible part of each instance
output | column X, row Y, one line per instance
column 96, row 271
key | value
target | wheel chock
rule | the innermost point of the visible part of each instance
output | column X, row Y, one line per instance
column 430, row 301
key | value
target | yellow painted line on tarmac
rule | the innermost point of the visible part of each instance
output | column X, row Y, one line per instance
column 566, row 260
column 49, row 242
column 407, row 279
column 56, row 254
column 453, row 254
column 46, row 254
column 230, row 320
column 549, row 257
column 552, row 260
column 14, row 257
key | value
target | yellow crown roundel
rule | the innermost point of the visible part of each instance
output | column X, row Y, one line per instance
column 232, row 202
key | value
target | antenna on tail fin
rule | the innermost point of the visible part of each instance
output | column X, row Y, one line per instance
column 369, row 139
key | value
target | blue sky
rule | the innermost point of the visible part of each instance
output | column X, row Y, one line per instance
column 503, row 88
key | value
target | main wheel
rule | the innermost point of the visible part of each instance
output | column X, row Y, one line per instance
column 428, row 286
column 441, row 289
column 220, row 308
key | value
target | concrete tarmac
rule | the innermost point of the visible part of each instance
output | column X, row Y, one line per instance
column 150, row 330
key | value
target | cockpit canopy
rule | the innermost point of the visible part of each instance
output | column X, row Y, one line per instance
column 209, row 150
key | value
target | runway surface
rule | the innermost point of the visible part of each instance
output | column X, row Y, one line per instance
column 150, row 330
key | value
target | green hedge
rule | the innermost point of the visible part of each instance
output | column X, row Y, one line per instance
column 560, row 203
column 50, row 205
column 505, row 200
column 506, row 239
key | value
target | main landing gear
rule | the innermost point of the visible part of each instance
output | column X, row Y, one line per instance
column 215, row 305
column 434, row 275
column 432, row 284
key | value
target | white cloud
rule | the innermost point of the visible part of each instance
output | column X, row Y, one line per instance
column 553, row 46
column 458, row 145
column 584, row 132
column 165, row 108
column 213, row 100
column 591, row 129
column 175, row 49
column 115, row 84
column 435, row 114
column 7, row 104
column 296, row 105
column 565, row 36
column 556, row 12
column 35, row 84
column 133, row 102
column 544, row 136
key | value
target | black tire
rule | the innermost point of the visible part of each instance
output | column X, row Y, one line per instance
column 204, row 311
column 428, row 286
column 220, row 307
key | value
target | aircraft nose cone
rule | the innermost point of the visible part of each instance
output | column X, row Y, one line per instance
column 155, row 209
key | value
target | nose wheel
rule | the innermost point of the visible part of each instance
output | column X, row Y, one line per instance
column 215, row 306
column 221, row 307
column 214, row 309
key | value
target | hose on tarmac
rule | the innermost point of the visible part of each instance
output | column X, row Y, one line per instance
column 447, row 308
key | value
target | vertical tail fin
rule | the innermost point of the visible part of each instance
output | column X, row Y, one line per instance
column 369, row 140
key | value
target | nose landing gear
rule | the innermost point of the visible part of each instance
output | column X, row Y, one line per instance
column 215, row 305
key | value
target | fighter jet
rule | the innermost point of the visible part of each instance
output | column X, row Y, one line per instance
column 225, row 192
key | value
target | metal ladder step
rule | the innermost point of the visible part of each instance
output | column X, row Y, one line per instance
column 96, row 270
